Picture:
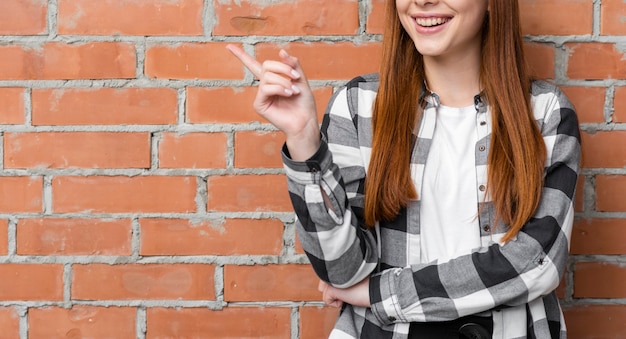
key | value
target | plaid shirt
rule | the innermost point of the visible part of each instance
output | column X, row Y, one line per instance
column 514, row 282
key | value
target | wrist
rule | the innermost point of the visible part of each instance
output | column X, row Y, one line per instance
column 303, row 146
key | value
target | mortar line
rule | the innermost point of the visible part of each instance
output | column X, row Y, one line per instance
column 135, row 241
column 23, row 323
column 295, row 323
column 67, row 285
column 609, row 104
column 141, row 322
column 597, row 18
column 47, row 203
column 12, row 237
column 51, row 19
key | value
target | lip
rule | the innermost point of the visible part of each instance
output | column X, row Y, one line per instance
column 432, row 29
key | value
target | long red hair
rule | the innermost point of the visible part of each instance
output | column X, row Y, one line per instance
column 517, row 151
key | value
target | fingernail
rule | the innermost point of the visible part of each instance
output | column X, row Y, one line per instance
column 288, row 91
column 295, row 89
column 295, row 74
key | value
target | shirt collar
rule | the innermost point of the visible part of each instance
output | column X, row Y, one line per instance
column 430, row 98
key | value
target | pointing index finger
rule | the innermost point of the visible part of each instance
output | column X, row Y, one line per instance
column 246, row 59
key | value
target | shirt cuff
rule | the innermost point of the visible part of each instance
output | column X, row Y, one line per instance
column 384, row 299
column 310, row 170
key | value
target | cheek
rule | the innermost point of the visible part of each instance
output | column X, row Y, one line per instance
column 402, row 6
column 476, row 21
column 480, row 14
column 406, row 24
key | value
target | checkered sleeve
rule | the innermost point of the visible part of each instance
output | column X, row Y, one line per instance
column 500, row 275
column 326, row 194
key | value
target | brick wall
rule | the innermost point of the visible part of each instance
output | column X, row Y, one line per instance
column 141, row 197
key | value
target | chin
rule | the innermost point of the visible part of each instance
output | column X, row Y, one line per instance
column 430, row 47
column 429, row 51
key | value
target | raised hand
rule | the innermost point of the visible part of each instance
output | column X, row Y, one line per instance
column 285, row 99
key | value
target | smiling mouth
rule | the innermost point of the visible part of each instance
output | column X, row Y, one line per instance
column 431, row 22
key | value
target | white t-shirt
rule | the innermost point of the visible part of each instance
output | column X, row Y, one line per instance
column 449, row 205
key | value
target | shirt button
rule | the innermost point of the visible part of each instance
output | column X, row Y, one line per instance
column 482, row 188
column 486, row 228
column 482, row 148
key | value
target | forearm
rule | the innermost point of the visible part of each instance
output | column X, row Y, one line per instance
column 499, row 276
column 341, row 252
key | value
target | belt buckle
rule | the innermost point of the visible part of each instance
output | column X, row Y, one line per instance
column 474, row 331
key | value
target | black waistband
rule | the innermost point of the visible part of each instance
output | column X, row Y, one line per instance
column 470, row 327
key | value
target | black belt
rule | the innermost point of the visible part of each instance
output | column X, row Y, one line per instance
column 470, row 327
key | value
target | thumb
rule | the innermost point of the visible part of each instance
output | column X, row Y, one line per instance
column 322, row 286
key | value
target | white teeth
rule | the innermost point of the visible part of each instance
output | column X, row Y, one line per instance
column 429, row 22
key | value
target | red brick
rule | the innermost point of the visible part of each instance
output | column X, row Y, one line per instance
column 77, row 149
column 221, row 105
column 619, row 105
column 322, row 61
column 21, row 194
column 4, row 237
column 612, row 13
column 258, row 149
column 248, row 193
column 9, row 323
column 270, row 282
column 192, row 61
column 599, row 280
column 604, row 149
column 105, row 106
column 317, row 322
column 540, row 59
column 31, row 282
column 376, row 18
column 599, row 236
column 229, row 237
column 98, row 194
column 182, row 150
column 234, row 105
column 82, row 322
column 231, row 322
column 56, row 60
column 23, row 17
column 155, row 17
column 588, row 102
column 596, row 321
column 11, row 105
column 555, row 17
column 142, row 282
column 304, row 17
column 595, row 61
column 610, row 192
column 56, row 236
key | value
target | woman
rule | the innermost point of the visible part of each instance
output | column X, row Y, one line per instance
column 437, row 202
